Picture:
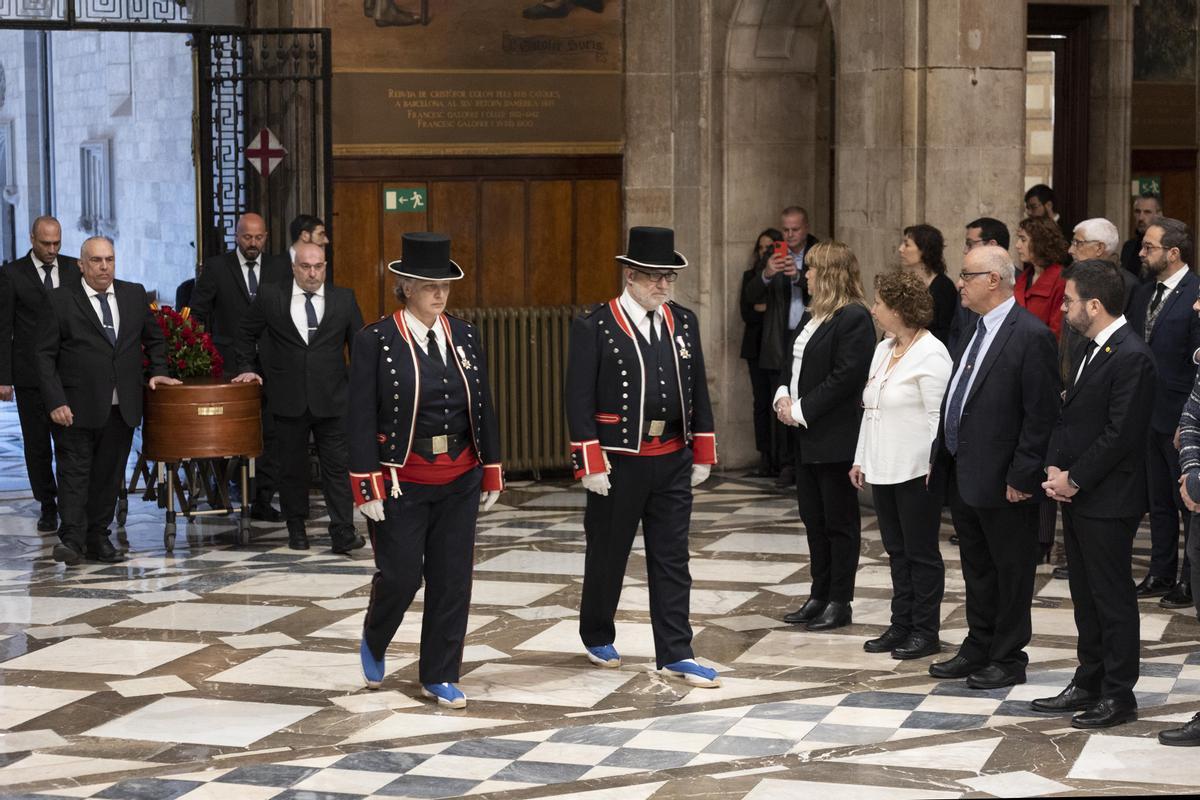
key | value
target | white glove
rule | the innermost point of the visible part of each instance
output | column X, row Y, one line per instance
column 700, row 473
column 487, row 500
column 597, row 482
column 372, row 510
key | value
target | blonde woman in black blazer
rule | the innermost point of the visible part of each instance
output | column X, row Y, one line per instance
column 820, row 397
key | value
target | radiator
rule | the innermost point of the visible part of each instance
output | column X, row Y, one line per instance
column 527, row 364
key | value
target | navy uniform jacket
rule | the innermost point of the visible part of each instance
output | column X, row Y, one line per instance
column 1173, row 340
column 605, row 392
column 384, row 387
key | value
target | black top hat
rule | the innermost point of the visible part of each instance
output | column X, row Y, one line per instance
column 426, row 257
column 652, row 248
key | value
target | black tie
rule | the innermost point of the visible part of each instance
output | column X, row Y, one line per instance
column 1087, row 357
column 48, row 282
column 1158, row 295
column 434, row 352
column 311, row 312
column 251, row 278
column 106, row 311
column 653, row 329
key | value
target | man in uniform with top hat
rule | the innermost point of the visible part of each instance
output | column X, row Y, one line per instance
column 424, row 460
column 642, row 437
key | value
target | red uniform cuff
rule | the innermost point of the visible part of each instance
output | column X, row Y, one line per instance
column 587, row 458
column 493, row 478
column 366, row 486
column 704, row 448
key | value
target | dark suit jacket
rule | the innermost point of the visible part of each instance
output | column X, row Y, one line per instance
column 752, row 334
column 774, row 353
column 1101, row 432
column 301, row 376
column 1175, row 337
column 1130, row 258
column 220, row 298
column 22, row 298
column 77, row 365
column 1007, row 415
column 183, row 294
column 837, row 360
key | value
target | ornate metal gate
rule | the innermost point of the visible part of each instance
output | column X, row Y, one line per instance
column 251, row 81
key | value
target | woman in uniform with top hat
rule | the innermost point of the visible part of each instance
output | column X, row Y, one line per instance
column 424, row 460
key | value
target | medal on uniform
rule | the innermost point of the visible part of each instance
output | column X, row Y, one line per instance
column 462, row 357
column 683, row 351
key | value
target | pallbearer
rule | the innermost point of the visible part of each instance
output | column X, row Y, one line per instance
column 424, row 459
column 642, row 436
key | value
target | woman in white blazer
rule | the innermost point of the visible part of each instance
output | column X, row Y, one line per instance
column 901, row 405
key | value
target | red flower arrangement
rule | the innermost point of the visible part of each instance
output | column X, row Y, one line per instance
column 190, row 351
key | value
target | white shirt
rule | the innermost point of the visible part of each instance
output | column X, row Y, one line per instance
column 37, row 267
column 421, row 334
column 901, row 410
column 792, row 390
column 1100, row 338
column 640, row 316
column 93, row 296
column 991, row 323
column 246, row 270
column 299, row 316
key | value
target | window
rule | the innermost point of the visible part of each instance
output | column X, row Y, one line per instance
column 96, row 215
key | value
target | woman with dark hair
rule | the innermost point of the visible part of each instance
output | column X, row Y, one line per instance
column 1042, row 250
column 820, row 397
column 760, row 379
column 921, row 253
column 902, row 404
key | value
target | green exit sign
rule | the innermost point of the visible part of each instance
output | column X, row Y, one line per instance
column 1148, row 185
column 405, row 199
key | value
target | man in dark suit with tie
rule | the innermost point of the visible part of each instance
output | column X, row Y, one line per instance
column 999, row 409
column 1161, row 313
column 310, row 325
column 91, row 338
column 224, row 290
column 1096, row 468
column 24, row 287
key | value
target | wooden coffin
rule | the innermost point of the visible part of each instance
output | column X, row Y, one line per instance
column 202, row 418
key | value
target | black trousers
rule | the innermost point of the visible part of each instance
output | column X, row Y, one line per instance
column 999, row 552
column 429, row 531
column 1106, row 606
column 266, row 468
column 1047, row 521
column 1166, row 508
column 762, row 387
column 828, row 505
column 291, row 448
column 36, row 439
column 1193, row 553
column 655, row 491
column 91, row 471
column 909, row 517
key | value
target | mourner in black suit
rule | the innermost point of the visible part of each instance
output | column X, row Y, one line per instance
column 820, row 398
column 761, row 380
column 1096, row 468
column 25, row 285
column 222, row 295
column 424, row 460
column 91, row 339
column 1161, row 313
column 996, row 419
column 642, row 438
column 310, row 325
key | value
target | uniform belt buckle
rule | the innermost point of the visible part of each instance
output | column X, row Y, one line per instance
column 657, row 426
column 441, row 444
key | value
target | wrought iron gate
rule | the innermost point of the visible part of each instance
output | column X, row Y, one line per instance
column 276, row 79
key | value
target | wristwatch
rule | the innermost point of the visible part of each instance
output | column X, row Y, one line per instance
column 1072, row 483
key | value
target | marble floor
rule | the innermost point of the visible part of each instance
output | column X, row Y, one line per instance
column 231, row 672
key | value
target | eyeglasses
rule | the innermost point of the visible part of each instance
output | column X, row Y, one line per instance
column 969, row 244
column 1148, row 246
column 658, row 277
column 1067, row 301
column 1082, row 242
column 966, row 276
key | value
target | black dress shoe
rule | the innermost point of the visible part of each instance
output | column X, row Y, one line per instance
column 1187, row 736
column 297, row 539
column 1105, row 714
column 916, row 646
column 48, row 521
column 805, row 613
column 957, row 667
column 1061, row 573
column 787, row 477
column 993, row 676
column 893, row 636
column 835, row 615
column 102, row 550
column 67, row 554
column 1180, row 596
column 1071, row 698
column 344, row 543
column 265, row 512
column 1153, row 587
